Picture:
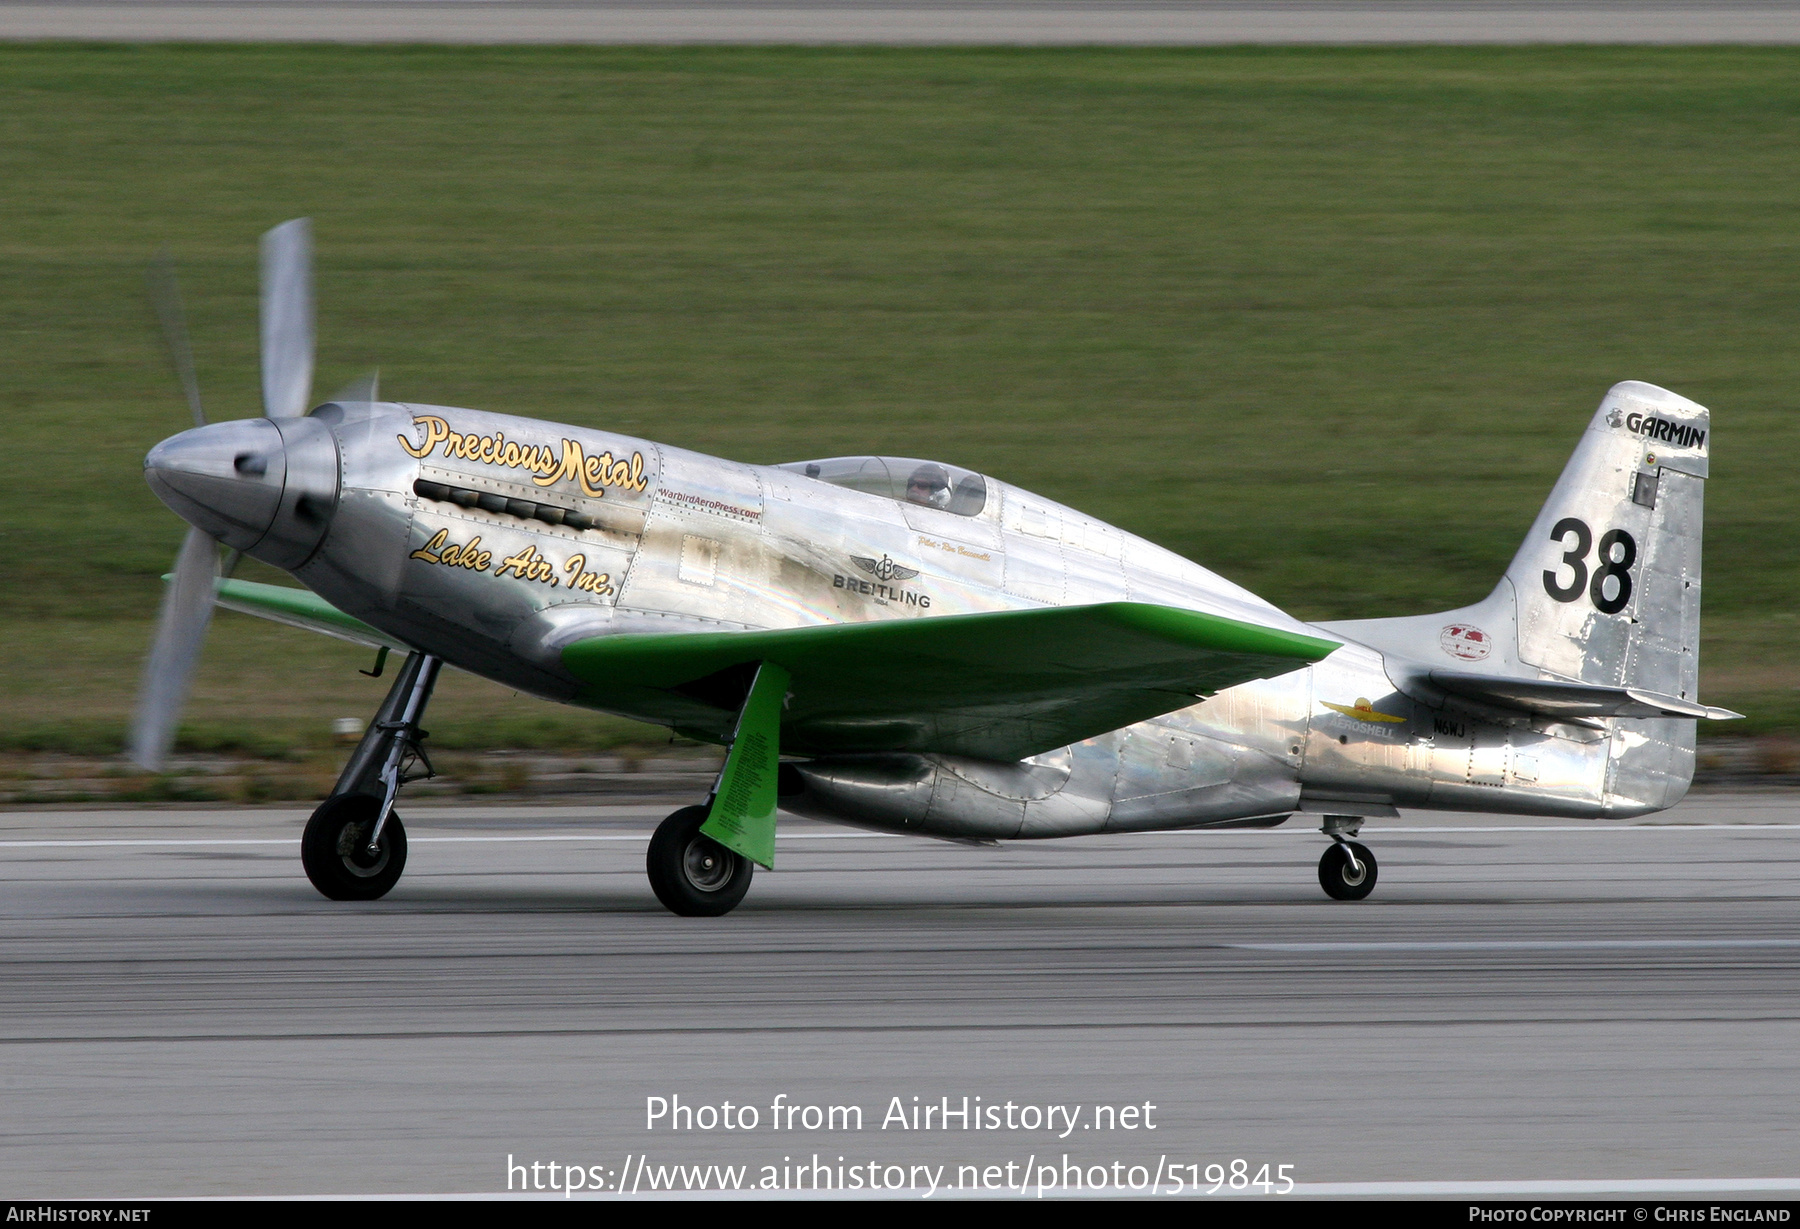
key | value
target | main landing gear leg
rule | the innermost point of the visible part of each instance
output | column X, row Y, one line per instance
column 1347, row 871
column 354, row 847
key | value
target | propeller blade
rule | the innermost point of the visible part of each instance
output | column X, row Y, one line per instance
column 364, row 388
column 287, row 319
column 187, row 608
column 165, row 296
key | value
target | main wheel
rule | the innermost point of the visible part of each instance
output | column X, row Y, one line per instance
column 692, row 874
column 1338, row 880
column 335, row 849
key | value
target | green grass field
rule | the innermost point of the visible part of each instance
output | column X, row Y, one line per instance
column 1328, row 321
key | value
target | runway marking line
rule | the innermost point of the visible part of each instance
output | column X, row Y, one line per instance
column 415, row 840
column 79, row 843
column 177, row 842
column 1302, row 1190
column 1596, row 825
column 1554, row 1186
column 1259, row 1025
column 1508, row 945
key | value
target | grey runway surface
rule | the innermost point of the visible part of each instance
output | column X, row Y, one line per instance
column 968, row 22
column 1518, row 1001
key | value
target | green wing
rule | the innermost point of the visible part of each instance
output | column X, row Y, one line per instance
column 998, row 686
column 301, row 608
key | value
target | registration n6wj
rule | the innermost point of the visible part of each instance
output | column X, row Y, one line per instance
column 908, row 646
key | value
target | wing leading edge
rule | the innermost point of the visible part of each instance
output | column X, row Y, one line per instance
column 301, row 608
column 1002, row 685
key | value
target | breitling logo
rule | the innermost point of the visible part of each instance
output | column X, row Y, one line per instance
column 1362, row 710
column 884, row 568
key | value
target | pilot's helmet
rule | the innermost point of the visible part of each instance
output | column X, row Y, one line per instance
column 929, row 485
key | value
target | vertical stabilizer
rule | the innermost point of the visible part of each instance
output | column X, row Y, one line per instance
column 1608, row 580
column 1605, row 590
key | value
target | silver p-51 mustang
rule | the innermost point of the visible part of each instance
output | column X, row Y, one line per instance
column 908, row 646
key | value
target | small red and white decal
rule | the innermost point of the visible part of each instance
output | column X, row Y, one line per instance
column 1468, row 643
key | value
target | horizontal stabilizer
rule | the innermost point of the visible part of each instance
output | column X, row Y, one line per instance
column 1001, row 686
column 1571, row 701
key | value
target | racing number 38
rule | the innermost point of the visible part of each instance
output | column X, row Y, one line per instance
column 1618, row 551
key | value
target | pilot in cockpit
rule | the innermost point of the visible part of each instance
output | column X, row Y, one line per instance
column 929, row 486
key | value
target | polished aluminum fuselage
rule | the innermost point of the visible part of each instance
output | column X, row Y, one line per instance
column 677, row 541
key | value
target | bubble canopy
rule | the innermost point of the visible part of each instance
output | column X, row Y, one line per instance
column 929, row 484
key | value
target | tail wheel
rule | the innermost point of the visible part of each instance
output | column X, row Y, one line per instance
column 692, row 874
column 1340, row 879
column 335, row 849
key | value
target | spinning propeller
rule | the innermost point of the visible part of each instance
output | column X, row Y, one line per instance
column 287, row 371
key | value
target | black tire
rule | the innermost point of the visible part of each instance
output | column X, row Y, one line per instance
column 691, row 874
column 334, row 849
column 1339, row 881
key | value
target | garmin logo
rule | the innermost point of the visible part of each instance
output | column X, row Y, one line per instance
column 1679, row 434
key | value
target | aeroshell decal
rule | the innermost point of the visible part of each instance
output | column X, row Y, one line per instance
column 1362, row 710
column 1464, row 642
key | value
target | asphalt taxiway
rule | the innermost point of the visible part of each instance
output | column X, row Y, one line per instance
column 1519, row 1001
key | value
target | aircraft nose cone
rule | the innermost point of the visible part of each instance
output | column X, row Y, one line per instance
column 225, row 478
